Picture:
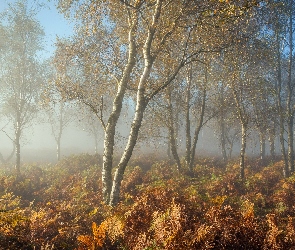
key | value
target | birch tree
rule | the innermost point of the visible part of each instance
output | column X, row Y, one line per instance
column 199, row 119
column 280, row 24
column 143, row 33
column 290, row 110
column 59, row 115
column 88, row 121
column 243, row 65
column 225, row 124
column 20, row 76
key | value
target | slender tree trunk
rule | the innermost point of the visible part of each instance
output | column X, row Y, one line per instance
column 95, row 143
column 244, row 122
column 172, row 137
column 271, row 140
column 222, row 126
column 174, row 147
column 272, row 148
column 135, row 126
column 290, row 118
column 195, row 140
column 230, row 149
column 60, row 130
column 200, row 124
column 230, row 143
column 223, row 141
column 58, row 148
column 169, row 148
column 262, row 145
column 17, row 153
column 17, row 148
column 282, row 142
column 290, row 144
column 114, row 116
column 279, row 102
column 187, row 117
column 243, row 150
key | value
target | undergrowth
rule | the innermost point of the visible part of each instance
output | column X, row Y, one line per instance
column 60, row 207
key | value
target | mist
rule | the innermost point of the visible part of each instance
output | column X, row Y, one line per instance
column 147, row 124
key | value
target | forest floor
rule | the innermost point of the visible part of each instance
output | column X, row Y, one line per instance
column 60, row 206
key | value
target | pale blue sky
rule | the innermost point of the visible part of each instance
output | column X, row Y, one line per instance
column 38, row 137
column 51, row 20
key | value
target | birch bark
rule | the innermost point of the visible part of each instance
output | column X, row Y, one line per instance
column 139, row 110
column 114, row 116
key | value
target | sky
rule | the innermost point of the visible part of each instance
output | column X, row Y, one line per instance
column 51, row 20
column 40, row 137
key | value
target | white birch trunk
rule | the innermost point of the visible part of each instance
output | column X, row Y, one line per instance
column 139, row 110
column 290, row 86
column 172, row 134
column 243, row 150
column 113, row 119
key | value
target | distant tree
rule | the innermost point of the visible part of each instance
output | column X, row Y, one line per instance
column 59, row 116
column 88, row 121
column 238, row 87
column 21, row 76
column 263, row 103
column 224, row 123
column 196, row 106
column 57, row 111
column 154, row 132
column 243, row 73
column 172, row 127
column 187, row 98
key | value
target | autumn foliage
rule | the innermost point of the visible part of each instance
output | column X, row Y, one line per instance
column 60, row 207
